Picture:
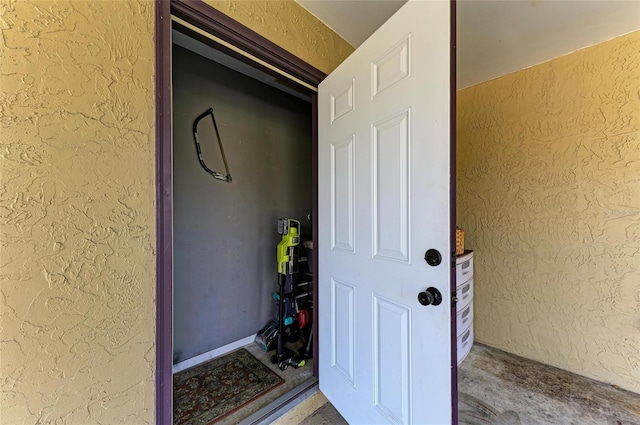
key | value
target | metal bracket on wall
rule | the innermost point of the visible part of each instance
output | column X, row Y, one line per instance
column 216, row 175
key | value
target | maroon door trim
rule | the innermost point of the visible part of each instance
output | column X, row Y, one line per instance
column 164, row 265
column 220, row 25
column 314, row 229
column 452, row 208
column 216, row 23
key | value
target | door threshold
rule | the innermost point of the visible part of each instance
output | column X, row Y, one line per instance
column 283, row 404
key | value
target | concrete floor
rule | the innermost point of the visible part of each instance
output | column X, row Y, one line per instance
column 502, row 389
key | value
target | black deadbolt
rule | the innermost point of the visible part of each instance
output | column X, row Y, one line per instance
column 430, row 297
column 433, row 257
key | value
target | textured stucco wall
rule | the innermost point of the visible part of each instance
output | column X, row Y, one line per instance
column 549, row 195
column 77, row 262
column 292, row 27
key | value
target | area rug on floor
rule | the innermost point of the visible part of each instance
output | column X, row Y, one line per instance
column 208, row 392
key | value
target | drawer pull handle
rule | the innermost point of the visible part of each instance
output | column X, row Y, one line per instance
column 466, row 336
column 465, row 265
column 466, row 312
column 466, row 288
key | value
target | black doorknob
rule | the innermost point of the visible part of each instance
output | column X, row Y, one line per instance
column 430, row 297
column 433, row 257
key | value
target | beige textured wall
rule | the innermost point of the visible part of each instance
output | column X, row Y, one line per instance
column 549, row 194
column 77, row 214
column 77, row 262
column 292, row 27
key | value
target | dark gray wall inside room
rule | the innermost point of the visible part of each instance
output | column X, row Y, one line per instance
column 225, row 235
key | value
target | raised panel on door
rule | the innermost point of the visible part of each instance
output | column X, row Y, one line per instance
column 392, row 360
column 343, row 330
column 342, row 194
column 391, row 187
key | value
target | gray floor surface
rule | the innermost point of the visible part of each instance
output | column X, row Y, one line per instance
column 497, row 388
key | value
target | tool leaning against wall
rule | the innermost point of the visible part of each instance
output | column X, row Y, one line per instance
column 289, row 321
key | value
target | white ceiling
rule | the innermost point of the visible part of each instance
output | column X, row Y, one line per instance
column 354, row 20
column 497, row 37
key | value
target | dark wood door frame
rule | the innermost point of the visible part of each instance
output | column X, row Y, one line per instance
column 452, row 206
column 220, row 25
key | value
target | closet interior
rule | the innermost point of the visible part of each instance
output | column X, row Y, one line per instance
column 242, row 160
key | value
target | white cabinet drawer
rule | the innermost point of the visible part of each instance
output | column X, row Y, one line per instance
column 464, row 318
column 464, row 342
column 464, row 292
column 464, row 270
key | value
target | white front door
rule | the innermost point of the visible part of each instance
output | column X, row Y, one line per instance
column 384, row 200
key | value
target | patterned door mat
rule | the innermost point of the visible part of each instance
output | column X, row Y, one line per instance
column 208, row 392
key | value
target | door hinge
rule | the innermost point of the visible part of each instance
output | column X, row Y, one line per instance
column 454, row 298
column 453, row 259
